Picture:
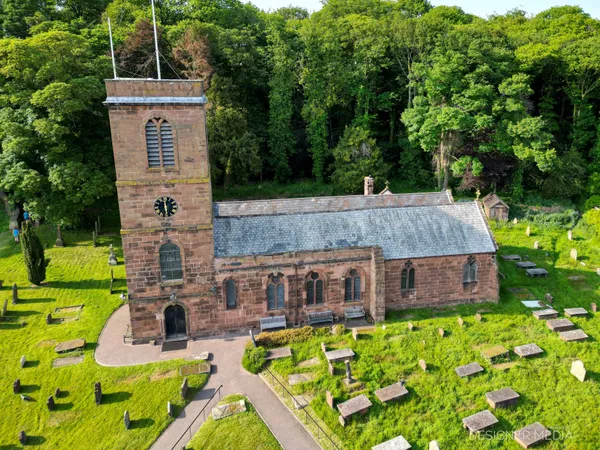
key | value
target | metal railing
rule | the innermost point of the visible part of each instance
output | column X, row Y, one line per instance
column 308, row 419
column 201, row 413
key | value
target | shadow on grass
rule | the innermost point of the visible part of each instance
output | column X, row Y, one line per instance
column 141, row 423
column 29, row 388
column 115, row 397
column 81, row 284
column 13, row 313
column 30, row 364
column 63, row 406
column 35, row 440
column 63, row 394
column 10, row 326
column 36, row 300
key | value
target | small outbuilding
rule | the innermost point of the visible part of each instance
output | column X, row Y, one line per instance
column 494, row 207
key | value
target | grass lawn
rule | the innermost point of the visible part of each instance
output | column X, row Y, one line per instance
column 439, row 399
column 241, row 431
column 78, row 274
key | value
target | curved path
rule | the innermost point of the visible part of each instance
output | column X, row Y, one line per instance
column 227, row 371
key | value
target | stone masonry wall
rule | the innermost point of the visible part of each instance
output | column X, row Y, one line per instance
column 438, row 281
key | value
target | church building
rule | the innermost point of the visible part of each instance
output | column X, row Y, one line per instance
column 197, row 267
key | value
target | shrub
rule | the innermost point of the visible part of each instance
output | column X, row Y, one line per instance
column 33, row 255
column 592, row 220
column 338, row 329
column 254, row 358
column 284, row 337
column 566, row 219
column 592, row 202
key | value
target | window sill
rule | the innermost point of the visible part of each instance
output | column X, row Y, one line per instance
column 469, row 283
column 314, row 306
column 171, row 283
column 352, row 301
column 276, row 309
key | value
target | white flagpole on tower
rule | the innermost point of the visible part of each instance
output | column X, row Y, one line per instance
column 156, row 41
column 112, row 50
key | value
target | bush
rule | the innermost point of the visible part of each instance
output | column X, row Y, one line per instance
column 592, row 220
column 566, row 219
column 592, row 202
column 284, row 337
column 338, row 329
column 254, row 358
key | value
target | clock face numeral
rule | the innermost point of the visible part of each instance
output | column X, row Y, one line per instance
column 165, row 207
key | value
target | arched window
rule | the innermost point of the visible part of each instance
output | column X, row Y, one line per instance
column 275, row 292
column 408, row 277
column 230, row 294
column 314, row 289
column 352, row 286
column 159, row 144
column 470, row 271
column 170, row 262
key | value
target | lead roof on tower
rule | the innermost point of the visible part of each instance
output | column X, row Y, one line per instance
column 402, row 232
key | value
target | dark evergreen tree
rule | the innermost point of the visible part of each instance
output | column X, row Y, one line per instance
column 33, row 254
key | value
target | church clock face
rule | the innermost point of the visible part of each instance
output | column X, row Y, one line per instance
column 165, row 207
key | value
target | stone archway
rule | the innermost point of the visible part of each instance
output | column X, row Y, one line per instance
column 175, row 322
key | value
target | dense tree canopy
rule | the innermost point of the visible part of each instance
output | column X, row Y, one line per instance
column 432, row 96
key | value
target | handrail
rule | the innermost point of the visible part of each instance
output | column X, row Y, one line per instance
column 218, row 391
column 307, row 415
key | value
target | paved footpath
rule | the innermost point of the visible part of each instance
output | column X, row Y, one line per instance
column 227, row 371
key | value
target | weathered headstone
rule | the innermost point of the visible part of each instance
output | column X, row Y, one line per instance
column 355, row 333
column 59, row 240
column 50, row 403
column 17, row 386
column 96, row 228
column 410, row 326
column 441, row 332
column 549, row 298
column 94, row 239
column 433, row 445
column 57, row 392
column 515, row 221
column 48, row 319
column 349, row 378
column 330, row 368
column 578, row 370
column 594, row 308
column 184, row 388
column 126, row 420
column 478, row 317
column 528, row 231
column 329, row 399
column 460, row 321
column 252, row 338
column 598, row 271
column 15, row 294
column 112, row 258
column 342, row 420
column 4, row 308
column 22, row 361
column 22, row 438
column 98, row 393
column 574, row 254
column 570, row 235
column 170, row 409
column 423, row 365
column 536, row 245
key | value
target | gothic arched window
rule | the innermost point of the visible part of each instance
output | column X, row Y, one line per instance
column 170, row 262
column 352, row 286
column 230, row 294
column 275, row 292
column 407, row 281
column 470, row 271
column 314, row 289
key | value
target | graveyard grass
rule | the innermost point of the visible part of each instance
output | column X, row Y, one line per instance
column 241, row 431
column 439, row 399
column 78, row 274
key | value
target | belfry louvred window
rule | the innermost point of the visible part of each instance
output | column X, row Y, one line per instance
column 159, row 144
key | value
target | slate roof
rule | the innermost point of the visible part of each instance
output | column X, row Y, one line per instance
column 492, row 199
column 402, row 232
column 329, row 204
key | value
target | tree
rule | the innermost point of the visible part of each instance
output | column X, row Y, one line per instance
column 33, row 255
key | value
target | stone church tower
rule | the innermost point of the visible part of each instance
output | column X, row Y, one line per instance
column 163, row 183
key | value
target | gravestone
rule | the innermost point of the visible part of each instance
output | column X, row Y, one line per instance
column 59, row 240
column 323, row 347
column 410, row 326
column 468, row 370
column 98, row 393
column 574, row 254
column 348, row 379
column 545, row 314
column 126, row 420
column 576, row 312
column 573, row 336
column 578, row 370
column 598, row 271
column 549, row 298
column 170, row 409
column 94, row 239
column 528, row 350
column 342, row 421
column 502, row 398
column 17, row 386
column 594, row 308
column 479, row 317
column 532, row 435
column 96, row 228
column 252, row 338
column 22, row 438
column 330, row 368
column 355, row 333
column 528, row 231
column 22, row 361
column 460, row 322
column 433, row 445
column 48, row 319
column 515, row 221
column 423, row 365
column 15, row 294
column 536, row 245
column 57, row 392
column 570, row 235
column 441, row 332
column 560, row 325
column 4, row 308
column 184, row 388
column 480, row 421
column 329, row 399
column 50, row 403
column 112, row 258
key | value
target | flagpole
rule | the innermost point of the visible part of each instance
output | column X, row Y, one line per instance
column 112, row 50
column 156, row 41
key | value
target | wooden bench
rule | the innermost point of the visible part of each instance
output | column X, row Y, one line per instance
column 320, row 317
column 355, row 312
column 267, row 323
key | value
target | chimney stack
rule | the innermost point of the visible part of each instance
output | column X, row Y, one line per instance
column 369, row 185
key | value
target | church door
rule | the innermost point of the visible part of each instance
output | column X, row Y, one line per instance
column 175, row 322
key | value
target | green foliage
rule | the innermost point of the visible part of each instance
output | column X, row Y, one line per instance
column 33, row 254
column 254, row 358
column 284, row 337
column 592, row 202
column 566, row 219
column 592, row 220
